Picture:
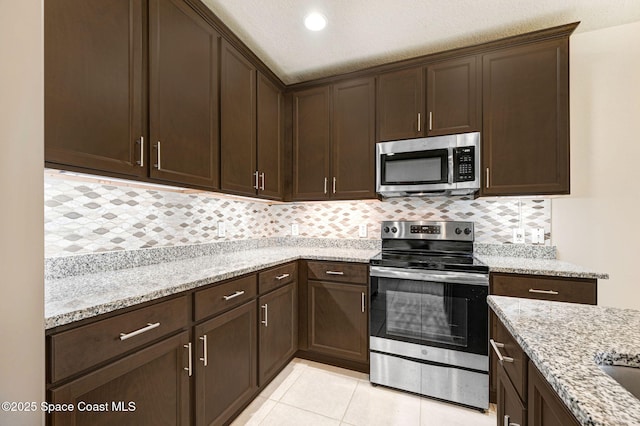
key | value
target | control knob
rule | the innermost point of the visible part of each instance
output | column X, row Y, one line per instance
column 394, row 229
column 458, row 231
column 386, row 229
column 467, row 231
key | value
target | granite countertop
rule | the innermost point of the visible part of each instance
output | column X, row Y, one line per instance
column 551, row 267
column 83, row 296
column 567, row 341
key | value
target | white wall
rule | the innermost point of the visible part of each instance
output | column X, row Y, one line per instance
column 597, row 225
column 21, row 213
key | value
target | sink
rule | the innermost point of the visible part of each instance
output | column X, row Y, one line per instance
column 628, row 377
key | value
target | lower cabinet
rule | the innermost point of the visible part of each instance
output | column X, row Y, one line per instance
column 226, row 364
column 510, row 410
column 278, row 335
column 545, row 408
column 338, row 320
column 149, row 387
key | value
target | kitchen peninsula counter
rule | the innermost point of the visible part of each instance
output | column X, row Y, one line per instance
column 567, row 342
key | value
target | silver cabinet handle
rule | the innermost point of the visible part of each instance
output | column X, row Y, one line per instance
column 418, row 122
column 255, row 177
column 487, row 180
column 190, row 365
column 282, row 277
column 141, row 142
column 234, row 295
column 266, row 315
column 497, row 345
column 362, row 305
column 158, row 165
column 334, row 184
column 553, row 292
column 205, row 355
column 325, row 185
column 430, row 120
column 150, row 326
column 507, row 421
column 262, row 179
column 335, row 273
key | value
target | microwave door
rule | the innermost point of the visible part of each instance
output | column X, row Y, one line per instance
column 426, row 167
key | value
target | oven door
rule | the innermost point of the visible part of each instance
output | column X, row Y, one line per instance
column 411, row 308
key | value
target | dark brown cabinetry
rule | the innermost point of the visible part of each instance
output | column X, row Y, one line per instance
column 311, row 143
column 238, row 123
column 400, row 104
column 95, row 97
column 453, row 97
column 526, row 119
column 226, row 364
column 446, row 102
column 524, row 396
column 270, row 139
column 333, row 313
column 334, row 141
column 183, row 95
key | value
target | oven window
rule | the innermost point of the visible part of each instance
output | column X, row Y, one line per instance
column 414, row 168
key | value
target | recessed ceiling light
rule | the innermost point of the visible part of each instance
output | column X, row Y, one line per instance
column 315, row 21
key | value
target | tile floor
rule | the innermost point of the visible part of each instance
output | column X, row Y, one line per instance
column 310, row 393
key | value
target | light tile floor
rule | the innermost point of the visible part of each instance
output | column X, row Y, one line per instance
column 310, row 393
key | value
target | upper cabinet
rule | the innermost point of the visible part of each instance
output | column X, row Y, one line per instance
column 238, row 121
column 525, row 137
column 95, row 98
column 270, row 139
column 334, row 141
column 453, row 97
column 183, row 96
column 448, row 103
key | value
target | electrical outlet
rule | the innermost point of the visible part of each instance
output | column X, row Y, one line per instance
column 540, row 235
column 222, row 229
column 362, row 230
column 295, row 231
column 534, row 236
column 518, row 236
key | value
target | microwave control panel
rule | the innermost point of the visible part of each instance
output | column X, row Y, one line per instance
column 464, row 164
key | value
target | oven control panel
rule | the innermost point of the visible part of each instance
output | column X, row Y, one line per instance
column 427, row 230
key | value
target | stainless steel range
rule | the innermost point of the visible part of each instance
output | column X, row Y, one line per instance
column 428, row 313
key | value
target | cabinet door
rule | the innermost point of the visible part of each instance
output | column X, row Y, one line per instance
column 226, row 364
column 183, row 98
column 453, row 99
column 353, row 140
column 238, row 123
column 545, row 408
column 525, row 147
column 400, row 109
column 270, row 149
column 278, row 330
column 149, row 387
column 311, row 139
column 338, row 320
column 94, row 85
column 510, row 409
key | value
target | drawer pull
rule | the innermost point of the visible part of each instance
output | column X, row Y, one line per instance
column 266, row 315
column 495, row 345
column 335, row 273
column 189, row 368
column 507, row 421
column 234, row 295
column 125, row 336
column 362, row 305
column 205, row 356
column 282, row 277
column 533, row 290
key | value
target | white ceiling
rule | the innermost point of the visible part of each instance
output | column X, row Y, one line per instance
column 363, row 33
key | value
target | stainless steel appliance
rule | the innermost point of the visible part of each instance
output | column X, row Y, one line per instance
column 428, row 312
column 441, row 165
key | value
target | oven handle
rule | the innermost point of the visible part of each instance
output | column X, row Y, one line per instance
column 427, row 275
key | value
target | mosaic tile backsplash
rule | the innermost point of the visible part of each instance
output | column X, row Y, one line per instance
column 90, row 217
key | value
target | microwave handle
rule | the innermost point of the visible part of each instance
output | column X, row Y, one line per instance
column 451, row 164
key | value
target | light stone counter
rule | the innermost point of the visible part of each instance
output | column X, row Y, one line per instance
column 73, row 298
column 550, row 267
column 567, row 341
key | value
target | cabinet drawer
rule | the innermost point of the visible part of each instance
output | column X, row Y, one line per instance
column 545, row 288
column 83, row 347
column 338, row 271
column 515, row 367
column 276, row 277
column 224, row 296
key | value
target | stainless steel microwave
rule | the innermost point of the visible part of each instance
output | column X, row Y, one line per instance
column 440, row 165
